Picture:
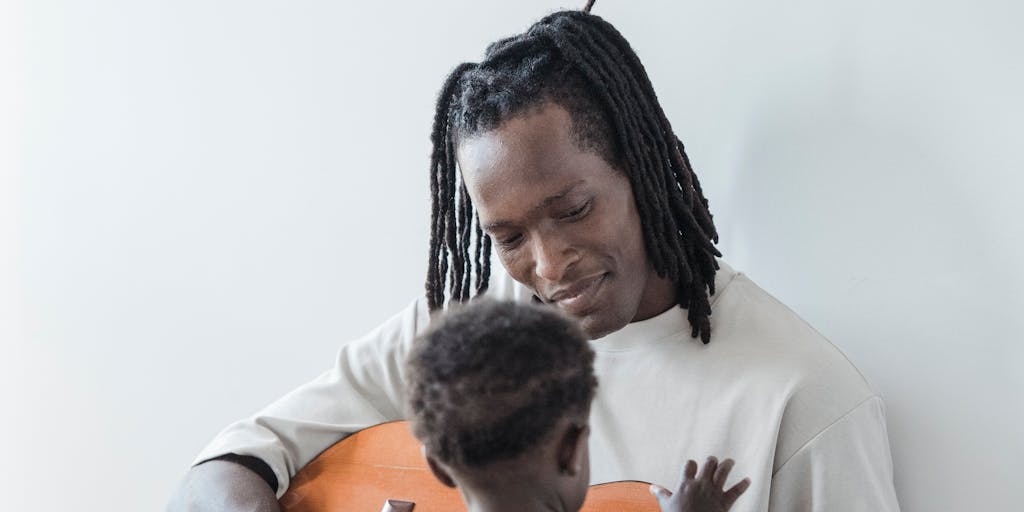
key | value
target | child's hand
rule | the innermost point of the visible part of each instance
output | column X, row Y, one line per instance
column 704, row 493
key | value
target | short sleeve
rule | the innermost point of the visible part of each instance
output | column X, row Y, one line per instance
column 845, row 468
column 363, row 388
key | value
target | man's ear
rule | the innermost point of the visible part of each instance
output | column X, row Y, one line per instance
column 438, row 470
column 572, row 449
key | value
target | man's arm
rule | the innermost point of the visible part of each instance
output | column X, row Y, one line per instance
column 363, row 388
column 219, row 485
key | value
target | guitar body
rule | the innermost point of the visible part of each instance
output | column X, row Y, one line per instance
column 364, row 470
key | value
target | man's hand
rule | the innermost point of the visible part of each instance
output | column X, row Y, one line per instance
column 223, row 486
column 704, row 493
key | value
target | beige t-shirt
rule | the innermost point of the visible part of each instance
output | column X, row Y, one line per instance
column 768, row 391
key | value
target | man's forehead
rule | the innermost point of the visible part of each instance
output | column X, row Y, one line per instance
column 538, row 138
column 482, row 153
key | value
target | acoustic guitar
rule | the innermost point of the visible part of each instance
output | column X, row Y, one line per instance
column 362, row 472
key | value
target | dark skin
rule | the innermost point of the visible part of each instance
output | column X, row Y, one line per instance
column 553, row 476
column 563, row 220
column 705, row 492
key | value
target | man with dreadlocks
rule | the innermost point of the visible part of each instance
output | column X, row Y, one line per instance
column 554, row 154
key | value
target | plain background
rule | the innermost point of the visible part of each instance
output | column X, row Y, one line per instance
column 200, row 201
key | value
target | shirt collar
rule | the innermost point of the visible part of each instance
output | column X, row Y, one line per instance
column 664, row 325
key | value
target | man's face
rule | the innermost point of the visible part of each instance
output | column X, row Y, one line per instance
column 563, row 221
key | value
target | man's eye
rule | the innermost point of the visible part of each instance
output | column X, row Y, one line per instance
column 578, row 212
column 509, row 242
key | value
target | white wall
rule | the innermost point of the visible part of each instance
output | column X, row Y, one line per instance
column 200, row 201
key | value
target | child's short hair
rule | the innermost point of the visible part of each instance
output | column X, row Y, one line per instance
column 491, row 379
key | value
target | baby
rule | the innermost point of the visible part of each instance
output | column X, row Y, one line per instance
column 499, row 394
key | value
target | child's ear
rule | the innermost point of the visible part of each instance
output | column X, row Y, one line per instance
column 438, row 470
column 572, row 450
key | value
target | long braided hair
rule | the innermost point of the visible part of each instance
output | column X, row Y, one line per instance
column 582, row 63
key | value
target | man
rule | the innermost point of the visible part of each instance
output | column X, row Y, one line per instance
column 554, row 148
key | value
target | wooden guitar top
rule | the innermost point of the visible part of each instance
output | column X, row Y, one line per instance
column 361, row 472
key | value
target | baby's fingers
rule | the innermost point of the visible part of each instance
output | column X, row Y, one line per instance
column 709, row 468
column 735, row 491
column 689, row 471
column 723, row 473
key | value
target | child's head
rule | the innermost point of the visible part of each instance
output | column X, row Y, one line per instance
column 499, row 395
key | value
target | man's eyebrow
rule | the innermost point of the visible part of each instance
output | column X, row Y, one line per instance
column 543, row 204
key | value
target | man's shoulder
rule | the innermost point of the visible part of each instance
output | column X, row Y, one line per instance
column 817, row 383
column 749, row 320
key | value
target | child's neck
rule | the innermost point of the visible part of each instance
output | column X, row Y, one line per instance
column 513, row 498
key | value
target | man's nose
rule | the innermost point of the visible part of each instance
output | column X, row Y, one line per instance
column 552, row 258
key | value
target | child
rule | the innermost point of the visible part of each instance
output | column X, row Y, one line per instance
column 499, row 394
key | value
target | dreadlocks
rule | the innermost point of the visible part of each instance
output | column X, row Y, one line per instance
column 582, row 63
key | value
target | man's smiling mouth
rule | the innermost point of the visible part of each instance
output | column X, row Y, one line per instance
column 579, row 297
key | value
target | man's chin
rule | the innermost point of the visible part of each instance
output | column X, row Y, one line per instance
column 597, row 326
